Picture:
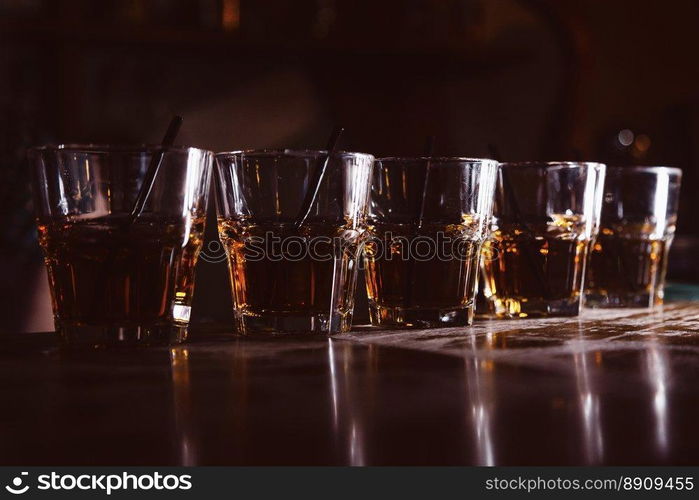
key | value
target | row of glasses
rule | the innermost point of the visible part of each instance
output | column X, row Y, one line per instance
column 297, row 226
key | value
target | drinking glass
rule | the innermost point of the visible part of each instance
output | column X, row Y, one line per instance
column 292, row 223
column 545, row 217
column 116, row 280
column 427, row 221
column 628, row 261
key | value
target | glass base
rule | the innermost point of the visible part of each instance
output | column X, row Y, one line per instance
column 634, row 300
column 271, row 323
column 113, row 336
column 533, row 308
column 402, row 317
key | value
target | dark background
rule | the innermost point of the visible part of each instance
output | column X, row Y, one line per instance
column 541, row 79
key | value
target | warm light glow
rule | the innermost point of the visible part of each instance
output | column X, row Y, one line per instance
column 642, row 143
column 230, row 16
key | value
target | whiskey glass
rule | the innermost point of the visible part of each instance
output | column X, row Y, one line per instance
column 428, row 219
column 116, row 280
column 628, row 261
column 545, row 218
column 293, row 265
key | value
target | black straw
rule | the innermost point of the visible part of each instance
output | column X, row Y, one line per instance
column 532, row 259
column 155, row 162
column 317, row 179
column 428, row 151
column 534, row 262
column 138, row 206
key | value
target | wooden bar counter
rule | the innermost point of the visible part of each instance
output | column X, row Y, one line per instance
column 609, row 387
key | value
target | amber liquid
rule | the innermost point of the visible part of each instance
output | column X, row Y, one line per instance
column 626, row 269
column 105, row 273
column 537, row 269
column 296, row 288
column 409, row 288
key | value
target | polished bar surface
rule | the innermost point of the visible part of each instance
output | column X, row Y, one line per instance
column 609, row 387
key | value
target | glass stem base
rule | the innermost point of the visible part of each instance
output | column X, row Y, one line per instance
column 404, row 317
column 533, row 307
column 631, row 300
column 97, row 337
column 275, row 323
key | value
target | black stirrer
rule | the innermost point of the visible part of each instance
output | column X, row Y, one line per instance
column 616, row 247
column 532, row 259
column 317, row 179
column 141, row 199
column 155, row 162
column 429, row 151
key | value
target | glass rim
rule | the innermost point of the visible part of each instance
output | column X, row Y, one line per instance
column 436, row 159
column 292, row 153
column 552, row 164
column 97, row 148
column 646, row 168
